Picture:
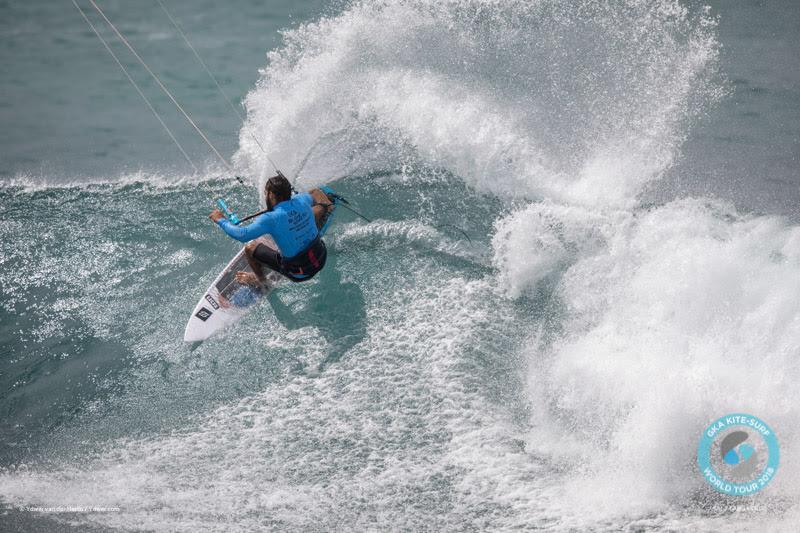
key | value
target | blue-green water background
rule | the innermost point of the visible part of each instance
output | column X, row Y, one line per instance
column 62, row 91
column 400, row 389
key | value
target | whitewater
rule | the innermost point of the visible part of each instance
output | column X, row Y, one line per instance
column 553, row 369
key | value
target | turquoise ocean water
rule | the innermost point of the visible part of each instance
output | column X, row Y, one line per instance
column 626, row 176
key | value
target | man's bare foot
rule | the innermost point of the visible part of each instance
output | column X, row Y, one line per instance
column 248, row 278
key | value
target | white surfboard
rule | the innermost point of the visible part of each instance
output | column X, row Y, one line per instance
column 226, row 301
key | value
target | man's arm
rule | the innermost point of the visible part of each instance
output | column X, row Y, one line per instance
column 259, row 227
column 321, row 205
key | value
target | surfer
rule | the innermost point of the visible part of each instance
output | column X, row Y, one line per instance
column 293, row 222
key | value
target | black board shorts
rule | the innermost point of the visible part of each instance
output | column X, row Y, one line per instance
column 301, row 267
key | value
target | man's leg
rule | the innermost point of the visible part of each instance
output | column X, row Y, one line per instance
column 255, row 266
column 259, row 254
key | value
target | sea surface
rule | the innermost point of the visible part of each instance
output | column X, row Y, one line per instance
column 583, row 247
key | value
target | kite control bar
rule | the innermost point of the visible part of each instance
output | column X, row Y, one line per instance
column 230, row 215
column 233, row 217
column 334, row 197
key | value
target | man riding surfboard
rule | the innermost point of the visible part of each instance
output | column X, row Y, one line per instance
column 293, row 222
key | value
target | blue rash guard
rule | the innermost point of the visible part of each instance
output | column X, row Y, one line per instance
column 291, row 223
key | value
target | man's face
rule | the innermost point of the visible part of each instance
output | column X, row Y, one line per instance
column 270, row 199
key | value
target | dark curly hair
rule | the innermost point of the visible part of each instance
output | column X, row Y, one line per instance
column 280, row 186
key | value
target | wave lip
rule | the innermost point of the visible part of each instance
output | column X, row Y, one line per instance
column 574, row 101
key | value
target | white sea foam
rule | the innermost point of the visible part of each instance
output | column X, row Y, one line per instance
column 573, row 101
column 671, row 317
column 27, row 183
column 387, row 438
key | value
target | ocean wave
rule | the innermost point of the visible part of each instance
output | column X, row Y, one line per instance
column 666, row 317
column 580, row 102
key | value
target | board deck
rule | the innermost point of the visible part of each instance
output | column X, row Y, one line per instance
column 226, row 301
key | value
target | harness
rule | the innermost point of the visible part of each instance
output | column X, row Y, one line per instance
column 307, row 263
